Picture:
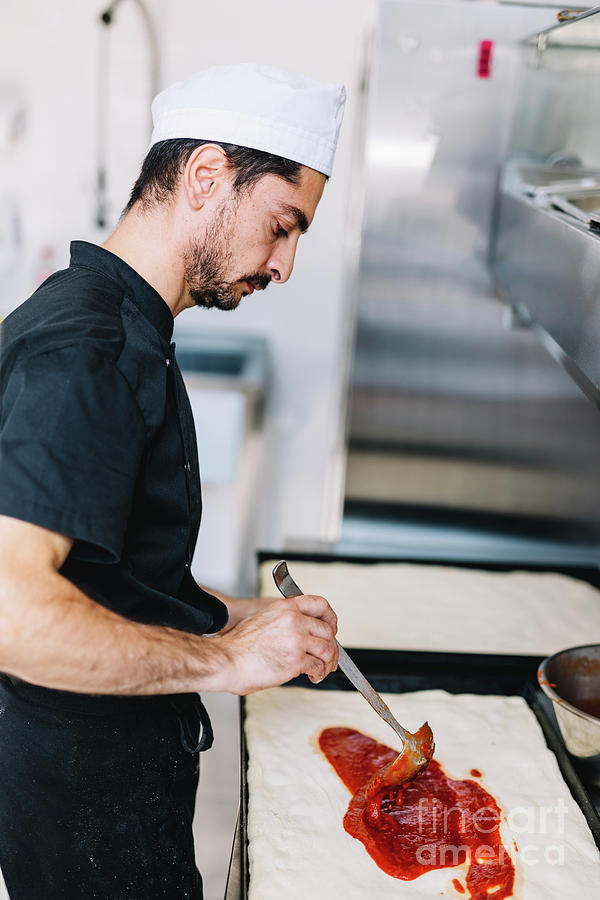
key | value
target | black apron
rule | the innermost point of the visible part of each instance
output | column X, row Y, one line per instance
column 97, row 794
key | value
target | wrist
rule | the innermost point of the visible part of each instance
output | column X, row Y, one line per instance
column 213, row 666
column 239, row 608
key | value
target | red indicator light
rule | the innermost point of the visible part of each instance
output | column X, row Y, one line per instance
column 484, row 68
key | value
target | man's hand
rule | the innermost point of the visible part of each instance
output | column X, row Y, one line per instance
column 239, row 608
column 283, row 640
column 53, row 635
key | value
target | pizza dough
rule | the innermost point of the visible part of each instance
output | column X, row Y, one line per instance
column 298, row 848
column 421, row 607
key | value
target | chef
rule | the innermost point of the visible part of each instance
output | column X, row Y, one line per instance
column 105, row 637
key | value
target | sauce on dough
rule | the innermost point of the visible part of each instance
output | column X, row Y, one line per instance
column 432, row 822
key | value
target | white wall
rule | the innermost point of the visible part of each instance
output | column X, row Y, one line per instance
column 306, row 319
column 50, row 56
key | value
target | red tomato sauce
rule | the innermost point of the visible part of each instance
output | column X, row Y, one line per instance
column 432, row 822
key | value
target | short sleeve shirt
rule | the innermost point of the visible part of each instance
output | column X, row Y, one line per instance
column 97, row 439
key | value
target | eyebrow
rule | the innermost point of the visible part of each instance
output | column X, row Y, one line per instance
column 297, row 215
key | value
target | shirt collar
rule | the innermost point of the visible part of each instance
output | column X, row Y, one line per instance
column 145, row 297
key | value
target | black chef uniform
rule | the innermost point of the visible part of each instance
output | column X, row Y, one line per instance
column 97, row 442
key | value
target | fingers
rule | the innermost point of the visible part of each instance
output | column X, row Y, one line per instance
column 303, row 615
column 270, row 649
column 318, row 608
column 321, row 658
column 319, row 628
column 294, row 637
column 315, row 669
column 314, row 616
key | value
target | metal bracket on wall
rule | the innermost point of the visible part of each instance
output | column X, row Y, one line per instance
column 515, row 317
column 106, row 18
column 566, row 15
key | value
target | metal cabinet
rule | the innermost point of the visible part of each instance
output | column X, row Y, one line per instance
column 459, row 418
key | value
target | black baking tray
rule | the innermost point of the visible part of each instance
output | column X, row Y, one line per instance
column 590, row 574
column 401, row 671
column 397, row 671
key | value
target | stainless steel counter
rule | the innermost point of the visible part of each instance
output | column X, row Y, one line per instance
column 547, row 263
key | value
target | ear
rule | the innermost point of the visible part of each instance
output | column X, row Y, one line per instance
column 206, row 172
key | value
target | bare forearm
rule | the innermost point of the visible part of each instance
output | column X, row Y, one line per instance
column 62, row 639
column 53, row 635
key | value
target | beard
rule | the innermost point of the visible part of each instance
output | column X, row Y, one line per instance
column 208, row 259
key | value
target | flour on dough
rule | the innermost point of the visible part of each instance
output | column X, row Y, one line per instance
column 461, row 610
column 298, row 848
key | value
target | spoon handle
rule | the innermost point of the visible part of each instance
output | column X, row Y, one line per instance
column 289, row 588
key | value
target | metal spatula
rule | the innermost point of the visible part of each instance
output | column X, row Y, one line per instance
column 417, row 748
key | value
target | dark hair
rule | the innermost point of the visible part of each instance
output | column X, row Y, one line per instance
column 166, row 160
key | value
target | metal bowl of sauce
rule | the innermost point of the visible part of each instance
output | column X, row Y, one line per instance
column 571, row 679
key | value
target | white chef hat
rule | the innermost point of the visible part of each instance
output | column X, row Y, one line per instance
column 257, row 106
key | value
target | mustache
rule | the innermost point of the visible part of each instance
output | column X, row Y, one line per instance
column 259, row 280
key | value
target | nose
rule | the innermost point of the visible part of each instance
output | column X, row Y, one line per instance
column 281, row 263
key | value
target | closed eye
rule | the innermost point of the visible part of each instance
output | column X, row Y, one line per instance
column 280, row 231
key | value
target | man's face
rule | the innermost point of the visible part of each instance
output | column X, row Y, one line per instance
column 251, row 239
